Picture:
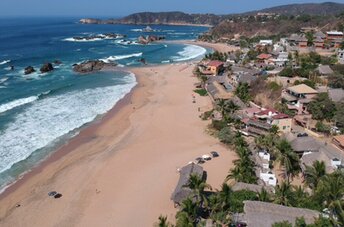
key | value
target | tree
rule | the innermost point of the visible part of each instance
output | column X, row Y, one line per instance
column 321, row 127
column 322, row 107
column 163, row 222
column 336, row 80
column 187, row 216
column 198, row 186
column 330, row 188
column 282, row 224
column 226, row 135
column 339, row 115
column 221, row 106
column 242, row 91
column 314, row 173
column 288, row 158
column 310, row 39
column 204, row 80
column 263, row 196
column 284, row 194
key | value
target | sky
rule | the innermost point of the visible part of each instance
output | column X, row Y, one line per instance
column 115, row 8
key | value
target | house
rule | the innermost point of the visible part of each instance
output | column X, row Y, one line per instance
column 281, row 60
column 339, row 141
column 273, row 117
column 297, row 97
column 325, row 70
column 336, row 94
column 243, row 75
column 322, row 155
column 181, row 192
column 238, row 186
column 265, row 42
column 335, row 38
column 305, row 144
column 333, row 35
column 264, row 58
column 263, row 214
column 215, row 67
column 217, row 91
column 319, row 42
column 263, row 170
column 259, row 122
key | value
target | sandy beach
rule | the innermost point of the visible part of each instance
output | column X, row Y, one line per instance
column 122, row 170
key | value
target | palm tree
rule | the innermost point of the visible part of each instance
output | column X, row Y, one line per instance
column 198, row 186
column 231, row 107
column 288, row 158
column 310, row 39
column 187, row 216
column 204, row 80
column 284, row 194
column 242, row 91
column 314, row 173
column 331, row 188
column 225, row 196
column 221, row 104
column 263, row 196
column 163, row 222
column 337, row 216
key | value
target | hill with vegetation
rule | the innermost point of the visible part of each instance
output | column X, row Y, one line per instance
column 326, row 8
column 176, row 17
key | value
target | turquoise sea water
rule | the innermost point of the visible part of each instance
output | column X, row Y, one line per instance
column 38, row 111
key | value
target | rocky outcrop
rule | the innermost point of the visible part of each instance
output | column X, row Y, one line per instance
column 92, row 66
column 99, row 37
column 89, row 21
column 28, row 70
column 149, row 39
column 47, row 67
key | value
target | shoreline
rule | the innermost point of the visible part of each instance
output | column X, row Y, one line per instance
column 70, row 144
column 110, row 149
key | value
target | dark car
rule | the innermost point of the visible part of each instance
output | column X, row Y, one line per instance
column 214, row 154
column 302, row 135
column 200, row 160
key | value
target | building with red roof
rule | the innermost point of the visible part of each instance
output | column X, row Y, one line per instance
column 215, row 67
column 262, row 122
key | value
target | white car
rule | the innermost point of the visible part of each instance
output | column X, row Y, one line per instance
column 206, row 157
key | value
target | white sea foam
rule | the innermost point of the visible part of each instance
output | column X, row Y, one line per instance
column 120, row 57
column 82, row 40
column 190, row 52
column 5, row 62
column 136, row 30
column 48, row 119
column 16, row 103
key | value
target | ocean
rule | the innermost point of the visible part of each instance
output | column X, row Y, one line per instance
column 39, row 111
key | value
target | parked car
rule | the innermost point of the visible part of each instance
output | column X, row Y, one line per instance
column 214, row 154
column 206, row 157
column 199, row 160
column 302, row 134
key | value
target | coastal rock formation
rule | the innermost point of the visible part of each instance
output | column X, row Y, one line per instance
column 47, row 67
column 90, row 21
column 99, row 37
column 149, row 39
column 28, row 70
column 92, row 66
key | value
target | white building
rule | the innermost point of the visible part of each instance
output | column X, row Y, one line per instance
column 265, row 42
column 268, row 177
